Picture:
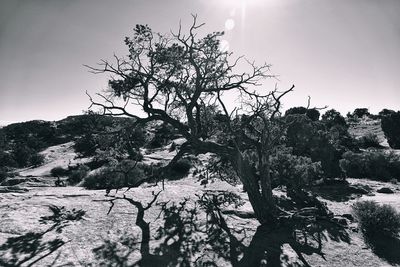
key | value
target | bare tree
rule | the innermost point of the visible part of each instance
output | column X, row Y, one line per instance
column 178, row 78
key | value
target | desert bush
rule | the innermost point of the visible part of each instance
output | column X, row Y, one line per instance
column 59, row 171
column 376, row 219
column 162, row 135
column 312, row 113
column 296, row 110
column 391, row 128
column 313, row 139
column 86, row 145
column 361, row 112
column 294, row 171
column 150, row 169
column 22, row 154
column 180, row 169
column 332, row 118
column 77, row 175
column 123, row 174
column 36, row 159
column 3, row 174
column 375, row 165
column 7, row 160
column 369, row 140
column 385, row 112
column 135, row 154
column 96, row 163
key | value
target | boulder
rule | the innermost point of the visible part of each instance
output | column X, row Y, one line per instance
column 385, row 190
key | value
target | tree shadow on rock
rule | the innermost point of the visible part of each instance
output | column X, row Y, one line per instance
column 266, row 247
column 199, row 234
column 32, row 247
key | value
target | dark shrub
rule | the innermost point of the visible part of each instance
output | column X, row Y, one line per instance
column 163, row 134
column 375, row 165
column 96, row 163
column 293, row 171
column 361, row 112
column 59, row 172
column 296, row 110
column 78, row 175
column 369, row 140
column 150, row 169
column 391, row 128
column 98, row 180
column 135, row 154
column 86, row 145
column 314, row 140
column 376, row 219
column 7, row 160
column 124, row 174
column 22, row 154
column 313, row 114
column 385, row 112
column 180, row 169
column 36, row 159
column 333, row 118
column 3, row 174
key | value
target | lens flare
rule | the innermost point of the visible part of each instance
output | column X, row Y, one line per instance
column 229, row 24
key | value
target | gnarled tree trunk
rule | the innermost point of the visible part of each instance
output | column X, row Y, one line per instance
column 260, row 196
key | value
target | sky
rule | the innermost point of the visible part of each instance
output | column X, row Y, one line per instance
column 341, row 53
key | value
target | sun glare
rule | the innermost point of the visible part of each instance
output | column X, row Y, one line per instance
column 229, row 24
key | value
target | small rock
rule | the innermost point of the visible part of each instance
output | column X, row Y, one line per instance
column 385, row 190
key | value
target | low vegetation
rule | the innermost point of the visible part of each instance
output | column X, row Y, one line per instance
column 376, row 165
column 126, row 173
column 369, row 140
column 77, row 175
column 376, row 219
column 391, row 127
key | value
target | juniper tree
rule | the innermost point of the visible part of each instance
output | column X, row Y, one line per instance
column 181, row 79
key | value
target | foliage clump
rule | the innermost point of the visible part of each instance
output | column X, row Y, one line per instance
column 162, row 135
column 77, row 175
column 126, row 173
column 180, row 168
column 320, row 141
column 334, row 118
column 377, row 219
column 369, row 140
column 312, row 113
column 391, row 128
column 361, row 112
column 293, row 171
column 59, row 171
column 376, row 165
